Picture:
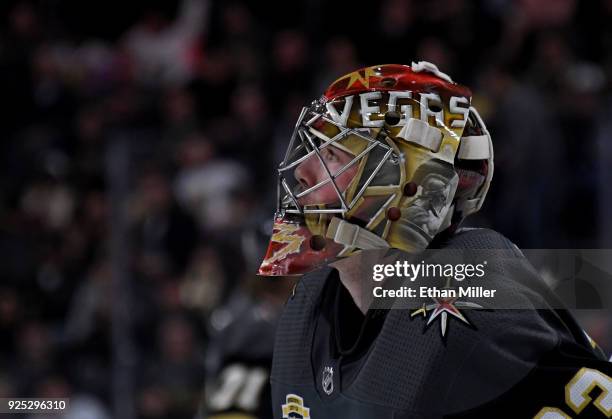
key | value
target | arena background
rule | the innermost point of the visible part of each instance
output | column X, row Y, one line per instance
column 137, row 164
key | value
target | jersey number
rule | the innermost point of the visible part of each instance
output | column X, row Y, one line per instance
column 239, row 387
column 577, row 395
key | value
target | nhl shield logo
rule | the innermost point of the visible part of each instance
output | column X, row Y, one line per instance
column 328, row 380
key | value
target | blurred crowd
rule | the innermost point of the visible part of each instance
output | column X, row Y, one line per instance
column 198, row 98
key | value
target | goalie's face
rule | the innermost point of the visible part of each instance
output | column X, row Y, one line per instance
column 312, row 172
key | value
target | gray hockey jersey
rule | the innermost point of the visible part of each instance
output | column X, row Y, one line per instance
column 330, row 361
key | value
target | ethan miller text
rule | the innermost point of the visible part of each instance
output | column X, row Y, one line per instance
column 469, row 292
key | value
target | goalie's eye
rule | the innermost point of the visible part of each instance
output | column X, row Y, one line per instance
column 329, row 155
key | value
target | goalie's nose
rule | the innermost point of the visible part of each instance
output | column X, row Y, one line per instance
column 306, row 172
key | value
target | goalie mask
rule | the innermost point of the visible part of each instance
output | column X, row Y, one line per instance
column 389, row 156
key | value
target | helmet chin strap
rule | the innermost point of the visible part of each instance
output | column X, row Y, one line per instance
column 352, row 235
column 355, row 237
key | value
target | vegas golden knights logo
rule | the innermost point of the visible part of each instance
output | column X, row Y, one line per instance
column 294, row 408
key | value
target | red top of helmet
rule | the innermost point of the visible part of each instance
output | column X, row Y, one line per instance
column 390, row 77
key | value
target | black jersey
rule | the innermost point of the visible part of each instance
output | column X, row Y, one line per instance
column 331, row 361
column 238, row 361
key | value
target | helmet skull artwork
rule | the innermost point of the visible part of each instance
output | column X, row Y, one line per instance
column 388, row 157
